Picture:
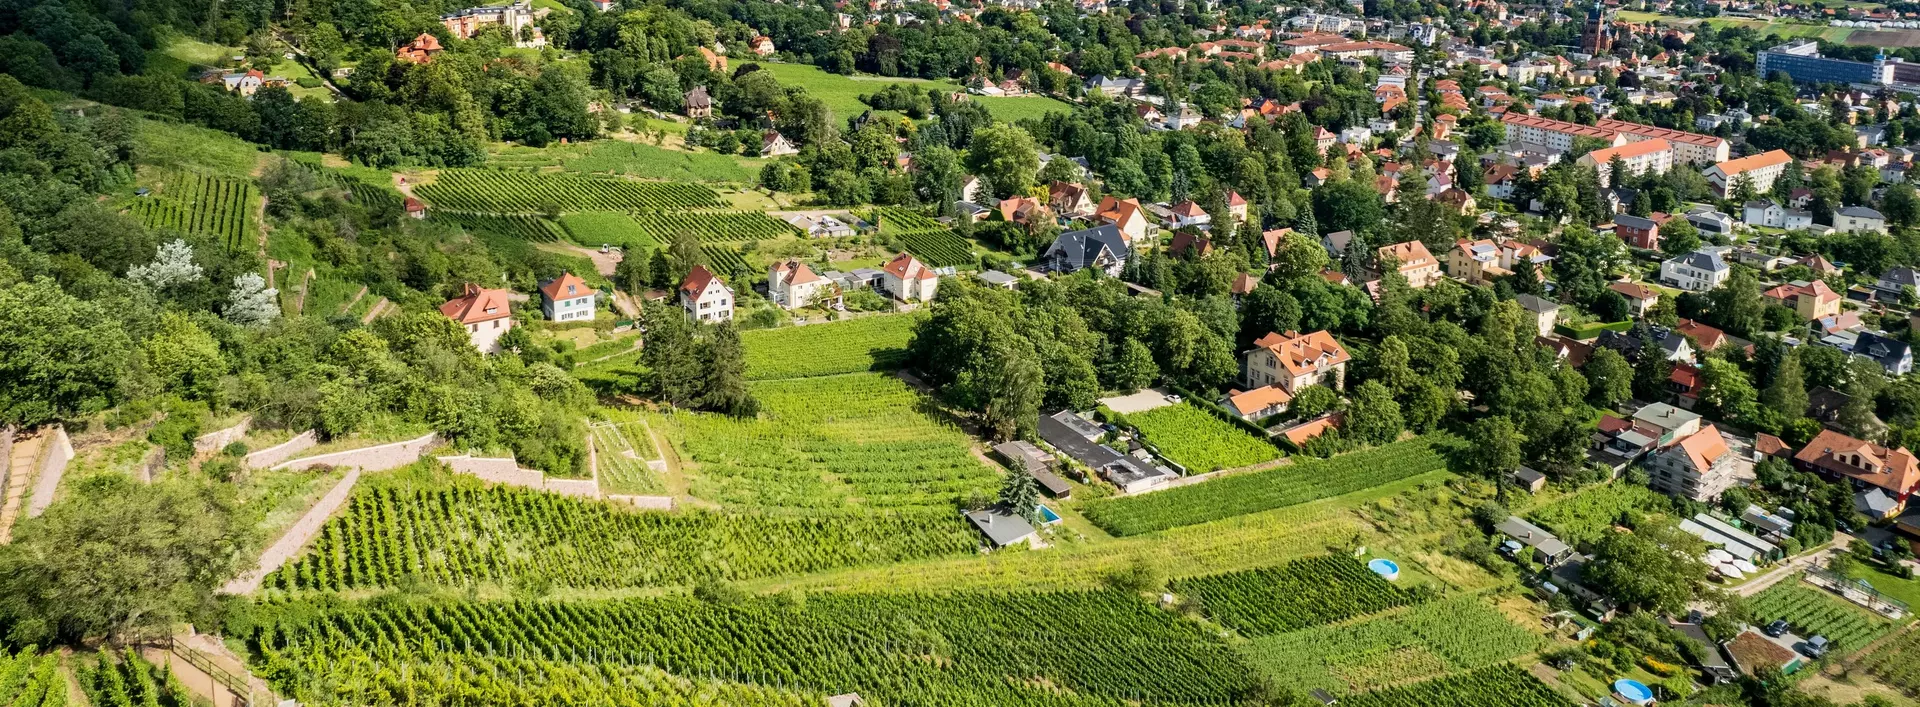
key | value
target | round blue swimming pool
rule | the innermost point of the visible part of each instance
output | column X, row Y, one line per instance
column 1635, row 691
column 1385, row 568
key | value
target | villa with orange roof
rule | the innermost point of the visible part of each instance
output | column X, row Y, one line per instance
column 1293, row 361
column 567, row 298
column 1414, row 262
column 908, row 280
column 1699, row 466
column 1811, row 300
column 485, row 314
column 1841, row 457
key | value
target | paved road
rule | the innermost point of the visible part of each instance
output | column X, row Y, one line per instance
column 1792, row 567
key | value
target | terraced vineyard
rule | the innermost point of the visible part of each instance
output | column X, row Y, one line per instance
column 1017, row 649
column 471, row 533
column 1892, row 663
column 126, row 679
column 1300, row 594
column 595, row 228
column 857, row 441
column 723, row 260
column 1199, row 441
column 713, row 227
column 1427, row 641
column 928, row 240
column 191, row 202
column 1503, row 685
column 851, row 346
column 623, row 449
column 534, row 229
column 1812, row 611
column 1239, row 494
column 495, row 191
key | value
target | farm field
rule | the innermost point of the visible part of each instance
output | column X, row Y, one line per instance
column 1229, row 496
column 859, row 440
column 633, row 159
column 927, row 239
column 592, row 229
column 842, row 93
column 934, row 650
column 1427, row 641
column 850, row 346
column 1495, row 686
column 1199, row 441
column 1583, row 516
column 467, row 533
column 191, row 202
column 496, row 191
column 125, row 679
column 1892, row 663
column 1300, row 594
column 1812, row 611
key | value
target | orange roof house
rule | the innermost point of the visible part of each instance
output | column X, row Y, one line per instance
column 420, row 50
column 1264, row 401
column 1838, row 455
column 1294, row 361
column 1415, row 262
column 1811, row 300
column 485, row 314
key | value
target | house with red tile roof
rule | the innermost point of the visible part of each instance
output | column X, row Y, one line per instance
column 485, row 314
column 704, row 297
column 1699, row 466
column 792, row 285
column 1294, row 361
column 909, row 280
column 1413, row 261
column 567, row 298
column 1840, row 457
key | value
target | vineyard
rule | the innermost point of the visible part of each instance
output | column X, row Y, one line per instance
column 928, row 240
column 595, row 228
column 190, row 202
column 1199, row 441
column 1428, row 641
column 1240, row 494
column 623, row 449
column 713, row 227
column 534, row 229
column 372, row 196
column 28, row 679
column 126, row 680
column 1300, row 594
column 1581, row 518
column 904, row 650
column 473, row 533
column 724, row 261
column 1813, row 612
column 1892, row 663
column 852, row 346
column 1503, row 685
column 494, row 191
column 858, row 440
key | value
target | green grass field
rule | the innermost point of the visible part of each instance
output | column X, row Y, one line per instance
column 842, row 93
column 852, row 346
column 180, row 146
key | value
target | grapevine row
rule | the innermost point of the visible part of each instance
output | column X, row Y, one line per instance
column 190, row 202
column 527, row 228
column 528, row 192
column 1300, row 594
column 713, row 227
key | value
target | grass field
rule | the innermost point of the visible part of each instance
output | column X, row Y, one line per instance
column 1583, row 515
column 1424, row 642
column 862, row 440
column 842, row 93
column 864, row 344
column 1774, row 27
column 1199, row 441
column 594, row 228
column 176, row 145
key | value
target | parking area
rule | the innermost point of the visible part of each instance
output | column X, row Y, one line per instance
column 1139, row 402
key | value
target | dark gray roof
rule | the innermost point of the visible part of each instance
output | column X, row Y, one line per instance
column 1536, row 304
column 1901, row 275
column 1001, row 527
column 1704, row 260
column 1881, row 349
column 1036, row 463
column 1059, row 430
column 995, row 277
column 1532, row 536
column 1860, row 212
column 1079, row 249
column 1758, row 204
column 1632, row 221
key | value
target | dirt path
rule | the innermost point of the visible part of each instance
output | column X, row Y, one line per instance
column 625, row 304
column 603, row 263
column 400, row 182
column 1791, row 568
column 260, row 225
column 19, row 476
column 300, row 305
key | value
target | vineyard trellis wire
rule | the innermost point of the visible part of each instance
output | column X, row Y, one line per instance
column 1300, row 594
column 534, row 229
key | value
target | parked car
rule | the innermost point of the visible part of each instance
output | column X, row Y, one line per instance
column 1815, row 647
column 1777, row 629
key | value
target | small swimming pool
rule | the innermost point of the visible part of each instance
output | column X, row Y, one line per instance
column 1387, row 569
column 1047, row 516
column 1635, row 691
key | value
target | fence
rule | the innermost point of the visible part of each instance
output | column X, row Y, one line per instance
column 1857, row 591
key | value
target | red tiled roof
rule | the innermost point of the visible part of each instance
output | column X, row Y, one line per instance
column 477, row 304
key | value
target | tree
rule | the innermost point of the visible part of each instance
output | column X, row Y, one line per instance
column 1013, row 386
column 60, row 357
column 1651, row 369
column 671, row 356
column 1374, row 417
column 1020, row 496
column 1656, row 567
column 119, row 560
column 1133, row 368
column 251, row 302
column 172, row 265
column 1005, row 157
column 725, row 387
column 1737, row 304
column 1609, row 378
column 185, row 358
column 684, row 253
column 633, row 273
column 1313, row 401
column 1788, row 392
column 1727, row 393
column 1901, row 205
column 1495, row 447
column 1679, row 237
column 1346, row 206
column 1299, row 256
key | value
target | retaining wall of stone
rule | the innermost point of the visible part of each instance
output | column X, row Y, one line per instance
column 57, row 454
column 280, row 452
column 380, row 458
column 218, row 439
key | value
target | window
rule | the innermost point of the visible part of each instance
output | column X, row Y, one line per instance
column 496, row 323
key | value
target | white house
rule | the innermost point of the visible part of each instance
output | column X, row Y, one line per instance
column 822, row 226
column 484, row 313
column 705, row 297
column 970, row 189
column 908, row 280
column 1762, row 212
column 567, row 298
column 792, row 285
column 1698, row 271
column 773, row 144
column 1187, row 214
column 1859, row 218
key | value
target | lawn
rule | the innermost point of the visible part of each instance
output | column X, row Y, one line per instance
column 851, row 346
column 1199, row 441
column 842, row 93
column 176, row 145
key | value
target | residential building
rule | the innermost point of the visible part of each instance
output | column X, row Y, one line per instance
column 1257, row 404
column 567, row 298
column 793, row 285
column 1699, row 466
column 1078, row 438
column 1637, row 231
column 419, row 51
column 517, row 18
column 1413, row 261
column 1124, row 214
column 1069, row 199
column 1545, row 312
column 699, row 103
column 1024, row 456
column 1003, row 528
column 1546, row 548
column 1641, row 157
column 1673, row 346
column 1025, row 211
column 1236, row 207
column 1853, row 219
column 1892, row 354
column 1294, row 361
column 1103, row 247
column 1811, row 300
column 1711, row 222
column 822, row 226
column 1187, row 214
column 1336, row 243
column 1865, row 464
column 1760, row 170
column 704, row 297
column 1640, row 297
column 1556, row 137
column 1187, row 244
column 485, row 314
column 773, row 144
column 1699, row 271
column 908, row 280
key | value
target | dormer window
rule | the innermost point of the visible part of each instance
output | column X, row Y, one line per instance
column 491, row 310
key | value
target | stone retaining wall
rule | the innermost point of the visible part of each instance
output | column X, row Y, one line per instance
column 53, row 465
column 296, row 537
column 380, row 458
column 280, row 452
column 652, row 503
column 218, row 439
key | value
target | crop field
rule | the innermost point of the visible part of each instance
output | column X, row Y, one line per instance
column 1199, row 441
column 861, row 440
column 1812, row 611
column 533, row 229
column 632, row 159
column 927, row 239
column 906, row 650
column 126, row 680
column 724, row 260
column 1503, row 685
column 895, row 219
column 29, row 679
column 495, row 191
column 472, row 533
column 1230, row 496
column 850, row 346
column 623, row 450
column 1892, row 663
column 595, row 228
column 1300, row 594
column 1582, row 517
column 1431, row 640
column 714, row 226
column 191, row 202
column 842, row 93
